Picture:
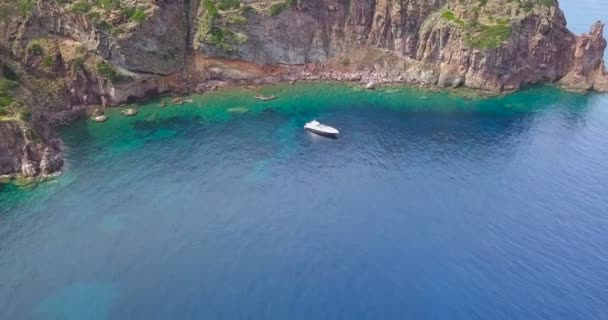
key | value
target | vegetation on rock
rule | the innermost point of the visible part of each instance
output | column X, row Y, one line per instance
column 488, row 36
column 212, row 26
column 277, row 8
column 108, row 72
column 486, row 24
column 6, row 86
column 109, row 15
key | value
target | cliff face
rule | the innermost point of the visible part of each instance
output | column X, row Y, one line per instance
column 588, row 70
column 60, row 56
column 28, row 151
column 495, row 46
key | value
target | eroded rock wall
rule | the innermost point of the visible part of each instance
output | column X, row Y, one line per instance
column 431, row 48
column 28, row 151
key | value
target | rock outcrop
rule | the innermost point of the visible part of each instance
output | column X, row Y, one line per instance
column 27, row 151
column 62, row 56
column 588, row 70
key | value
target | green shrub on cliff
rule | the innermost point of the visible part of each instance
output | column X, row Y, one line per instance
column 247, row 10
column 133, row 14
column 80, row 7
column 486, row 26
column 35, row 48
column 488, row 36
column 108, row 4
column 228, row 4
column 528, row 5
column 277, row 8
column 108, row 72
column 5, row 101
column 26, row 6
column 450, row 16
column 223, row 38
column 48, row 62
column 546, row 3
column 77, row 63
column 104, row 26
column 24, row 114
column 6, row 86
column 210, row 9
column 12, row 8
column 9, row 73
column 138, row 15
column 212, row 24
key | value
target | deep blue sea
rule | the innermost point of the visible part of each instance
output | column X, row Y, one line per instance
column 429, row 206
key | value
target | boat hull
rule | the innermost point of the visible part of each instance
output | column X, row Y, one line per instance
column 323, row 133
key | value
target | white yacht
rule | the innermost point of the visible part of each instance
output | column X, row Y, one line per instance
column 319, row 128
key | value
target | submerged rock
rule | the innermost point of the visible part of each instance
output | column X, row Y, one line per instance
column 238, row 110
column 265, row 98
column 4, row 179
column 129, row 112
column 24, row 181
column 100, row 118
column 178, row 101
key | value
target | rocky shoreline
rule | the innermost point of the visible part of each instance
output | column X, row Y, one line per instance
column 60, row 59
column 43, row 159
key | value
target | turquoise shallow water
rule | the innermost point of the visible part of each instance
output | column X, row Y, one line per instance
column 429, row 206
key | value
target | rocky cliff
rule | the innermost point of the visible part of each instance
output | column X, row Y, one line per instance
column 28, row 150
column 495, row 45
column 60, row 56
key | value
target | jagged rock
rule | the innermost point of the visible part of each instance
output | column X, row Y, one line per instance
column 588, row 71
column 28, row 169
column 21, row 156
column 51, row 159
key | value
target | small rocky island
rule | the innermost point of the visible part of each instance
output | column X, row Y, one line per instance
column 58, row 58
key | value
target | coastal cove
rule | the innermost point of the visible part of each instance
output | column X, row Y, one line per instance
column 71, row 55
column 429, row 205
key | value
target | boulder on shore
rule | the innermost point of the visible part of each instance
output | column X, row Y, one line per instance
column 129, row 112
column 100, row 118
